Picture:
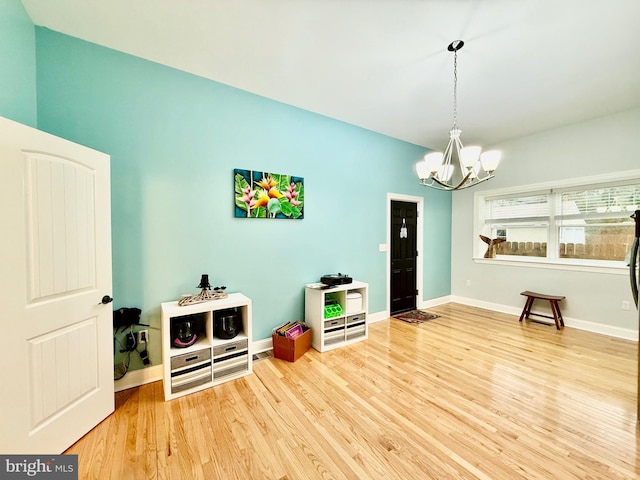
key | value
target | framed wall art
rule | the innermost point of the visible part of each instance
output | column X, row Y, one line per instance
column 268, row 195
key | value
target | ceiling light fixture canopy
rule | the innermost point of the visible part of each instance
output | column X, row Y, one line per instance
column 436, row 169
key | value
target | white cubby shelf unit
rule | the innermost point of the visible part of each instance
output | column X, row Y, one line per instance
column 337, row 331
column 210, row 360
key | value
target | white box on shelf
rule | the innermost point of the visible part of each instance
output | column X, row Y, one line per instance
column 354, row 302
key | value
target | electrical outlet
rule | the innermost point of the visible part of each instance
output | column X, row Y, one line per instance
column 468, row 283
column 143, row 336
column 625, row 305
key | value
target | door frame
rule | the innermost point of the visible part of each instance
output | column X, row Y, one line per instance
column 419, row 201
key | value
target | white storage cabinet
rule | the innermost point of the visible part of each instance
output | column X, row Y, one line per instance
column 349, row 327
column 210, row 360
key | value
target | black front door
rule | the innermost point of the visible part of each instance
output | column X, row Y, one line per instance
column 404, row 253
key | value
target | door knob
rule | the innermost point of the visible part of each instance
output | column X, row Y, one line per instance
column 106, row 299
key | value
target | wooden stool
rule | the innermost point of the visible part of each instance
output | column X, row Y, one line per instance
column 553, row 301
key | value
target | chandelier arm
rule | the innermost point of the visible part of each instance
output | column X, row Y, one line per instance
column 424, row 183
column 474, row 183
column 462, row 183
column 459, row 147
column 438, row 185
column 448, row 152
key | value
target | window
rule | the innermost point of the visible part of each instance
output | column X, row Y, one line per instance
column 588, row 224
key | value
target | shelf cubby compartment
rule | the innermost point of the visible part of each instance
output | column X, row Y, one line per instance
column 204, row 333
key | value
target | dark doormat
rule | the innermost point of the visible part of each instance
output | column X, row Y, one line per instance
column 416, row 316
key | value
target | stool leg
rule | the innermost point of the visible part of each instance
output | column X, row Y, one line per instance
column 527, row 308
column 556, row 311
column 560, row 315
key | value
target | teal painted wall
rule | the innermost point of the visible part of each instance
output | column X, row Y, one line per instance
column 174, row 140
column 17, row 64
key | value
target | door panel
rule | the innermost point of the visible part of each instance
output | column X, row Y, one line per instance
column 62, row 369
column 404, row 219
column 55, row 258
column 61, row 226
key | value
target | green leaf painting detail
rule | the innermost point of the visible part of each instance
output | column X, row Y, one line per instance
column 268, row 195
column 273, row 206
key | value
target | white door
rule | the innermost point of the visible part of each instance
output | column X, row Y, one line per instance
column 56, row 347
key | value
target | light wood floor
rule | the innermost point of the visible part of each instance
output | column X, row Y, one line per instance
column 473, row 394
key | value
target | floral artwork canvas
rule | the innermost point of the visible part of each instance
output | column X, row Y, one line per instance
column 268, row 195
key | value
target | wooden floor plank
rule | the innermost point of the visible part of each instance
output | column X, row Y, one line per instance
column 473, row 394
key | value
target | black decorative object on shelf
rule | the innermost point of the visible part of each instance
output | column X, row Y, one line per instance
column 205, row 294
column 204, row 282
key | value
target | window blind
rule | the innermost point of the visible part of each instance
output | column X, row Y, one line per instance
column 528, row 209
column 599, row 203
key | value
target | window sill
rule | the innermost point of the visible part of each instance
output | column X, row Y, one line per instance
column 609, row 267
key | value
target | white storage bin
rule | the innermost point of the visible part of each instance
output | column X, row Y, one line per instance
column 354, row 302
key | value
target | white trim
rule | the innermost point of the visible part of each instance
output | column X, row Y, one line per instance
column 557, row 184
column 262, row 345
column 419, row 201
column 136, row 378
column 600, row 328
column 434, row 302
column 535, row 262
column 377, row 317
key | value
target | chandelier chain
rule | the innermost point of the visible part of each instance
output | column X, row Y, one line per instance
column 455, row 89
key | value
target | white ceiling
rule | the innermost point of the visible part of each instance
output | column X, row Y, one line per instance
column 527, row 65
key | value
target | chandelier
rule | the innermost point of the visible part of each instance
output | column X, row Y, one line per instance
column 436, row 169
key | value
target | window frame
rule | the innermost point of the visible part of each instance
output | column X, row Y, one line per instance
column 554, row 187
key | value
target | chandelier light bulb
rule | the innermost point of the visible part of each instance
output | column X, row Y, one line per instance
column 445, row 172
column 490, row 160
column 433, row 161
column 423, row 170
column 469, row 156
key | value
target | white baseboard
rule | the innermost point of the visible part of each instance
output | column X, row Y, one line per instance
column 135, row 378
column 377, row 317
column 262, row 345
column 434, row 302
column 601, row 328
